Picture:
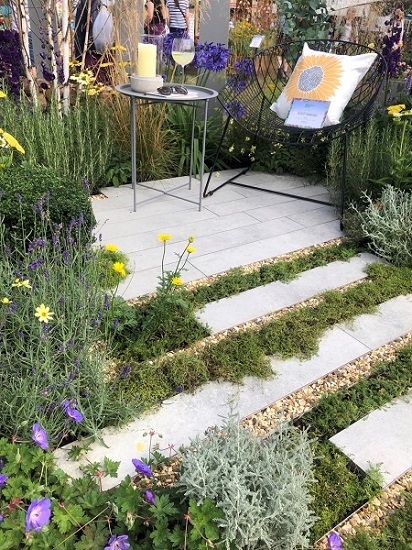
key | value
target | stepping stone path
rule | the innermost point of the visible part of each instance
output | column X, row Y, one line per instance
column 186, row 415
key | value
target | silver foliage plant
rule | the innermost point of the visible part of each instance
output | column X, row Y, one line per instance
column 387, row 225
column 261, row 484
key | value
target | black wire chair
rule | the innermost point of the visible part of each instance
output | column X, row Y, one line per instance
column 258, row 81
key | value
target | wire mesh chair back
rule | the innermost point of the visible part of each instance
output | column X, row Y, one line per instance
column 256, row 82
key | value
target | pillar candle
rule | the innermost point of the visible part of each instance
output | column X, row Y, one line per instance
column 146, row 60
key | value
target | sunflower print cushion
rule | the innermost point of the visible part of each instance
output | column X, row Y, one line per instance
column 324, row 76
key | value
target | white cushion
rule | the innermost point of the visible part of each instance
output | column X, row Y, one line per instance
column 324, row 76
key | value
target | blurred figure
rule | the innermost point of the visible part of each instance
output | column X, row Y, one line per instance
column 178, row 16
column 156, row 17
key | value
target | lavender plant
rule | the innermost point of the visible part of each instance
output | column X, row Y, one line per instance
column 261, row 484
column 52, row 356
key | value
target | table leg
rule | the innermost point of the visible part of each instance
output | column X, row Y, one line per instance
column 133, row 147
column 192, row 145
column 202, row 162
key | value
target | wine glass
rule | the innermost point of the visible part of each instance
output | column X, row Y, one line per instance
column 183, row 52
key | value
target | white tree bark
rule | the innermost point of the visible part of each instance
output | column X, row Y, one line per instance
column 65, row 52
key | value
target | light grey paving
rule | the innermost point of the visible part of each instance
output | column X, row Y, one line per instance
column 186, row 415
column 383, row 438
column 249, row 305
column 266, row 248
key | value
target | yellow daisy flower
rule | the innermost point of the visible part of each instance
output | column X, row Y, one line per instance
column 177, row 281
column 119, row 268
column 44, row 314
column 12, row 141
column 140, row 447
column 190, row 249
column 163, row 237
column 394, row 109
column 315, row 77
column 111, row 247
column 5, row 301
column 2, row 94
column 21, row 282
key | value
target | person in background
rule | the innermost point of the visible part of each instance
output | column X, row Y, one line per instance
column 156, row 17
column 178, row 16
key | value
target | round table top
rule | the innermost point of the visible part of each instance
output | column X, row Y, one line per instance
column 195, row 93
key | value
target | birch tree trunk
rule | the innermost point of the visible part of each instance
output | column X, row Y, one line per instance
column 23, row 25
column 49, row 10
column 65, row 53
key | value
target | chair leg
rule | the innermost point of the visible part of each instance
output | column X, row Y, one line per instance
column 344, row 177
column 219, row 147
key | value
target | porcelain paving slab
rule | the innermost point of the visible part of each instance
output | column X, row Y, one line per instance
column 249, row 305
column 383, row 438
column 186, row 415
column 266, row 248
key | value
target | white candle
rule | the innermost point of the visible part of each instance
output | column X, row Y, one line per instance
column 146, row 60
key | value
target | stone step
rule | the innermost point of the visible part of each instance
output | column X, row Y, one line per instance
column 185, row 415
column 383, row 438
column 251, row 304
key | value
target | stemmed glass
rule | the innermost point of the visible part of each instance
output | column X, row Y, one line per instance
column 183, row 52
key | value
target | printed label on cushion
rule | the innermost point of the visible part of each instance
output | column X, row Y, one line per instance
column 325, row 77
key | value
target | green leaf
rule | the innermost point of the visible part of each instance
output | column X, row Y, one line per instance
column 68, row 517
column 111, row 467
column 95, row 536
column 204, row 518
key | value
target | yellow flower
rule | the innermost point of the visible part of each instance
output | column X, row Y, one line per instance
column 177, row 281
column 21, row 282
column 191, row 239
column 44, row 314
column 392, row 109
column 190, row 249
column 118, row 48
column 111, row 247
column 163, row 237
column 11, row 141
column 119, row 268
column 371, row 45
column 5, row 301
column 2, row 94
column 140, row 447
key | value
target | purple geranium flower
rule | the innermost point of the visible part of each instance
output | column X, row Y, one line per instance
column 3, row 480
column 150, row 497
column 74, row 414
column 38, row 514
column 141, row 467
column 118, row 542
column 1, row 518
column 334, row 541
column 40, row 437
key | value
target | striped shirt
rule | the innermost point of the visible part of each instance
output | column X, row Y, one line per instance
column 177, row 16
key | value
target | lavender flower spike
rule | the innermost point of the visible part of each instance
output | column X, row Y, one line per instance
column 40, row 437
column 38, row 514
column 118, row 542
column 141, row 467
column 334, row 541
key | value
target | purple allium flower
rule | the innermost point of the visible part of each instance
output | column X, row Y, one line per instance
column 118, row 542
column 141, row 467
column 126, row 370
column 3, row 480
column 334, row 541
column 38, row 514
column 40, row 437
column 150, row 498
column 73, row 414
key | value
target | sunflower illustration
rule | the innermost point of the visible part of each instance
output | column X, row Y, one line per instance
column 315, row 77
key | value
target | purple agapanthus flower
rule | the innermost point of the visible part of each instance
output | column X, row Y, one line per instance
column 244, row 67
column 73, row 414
column 3, row 480
column 38, row 514
column 118, row 542
column 235, row 109
column 334, row 541
column 150, row 498
column 212, row 57
column 40, row 437
column 141, row 467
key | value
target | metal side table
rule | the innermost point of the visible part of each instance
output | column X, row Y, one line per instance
column 196, row 95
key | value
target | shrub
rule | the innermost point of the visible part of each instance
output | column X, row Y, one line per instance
column 27, row 189
column 387, row 224
column 261, row 484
